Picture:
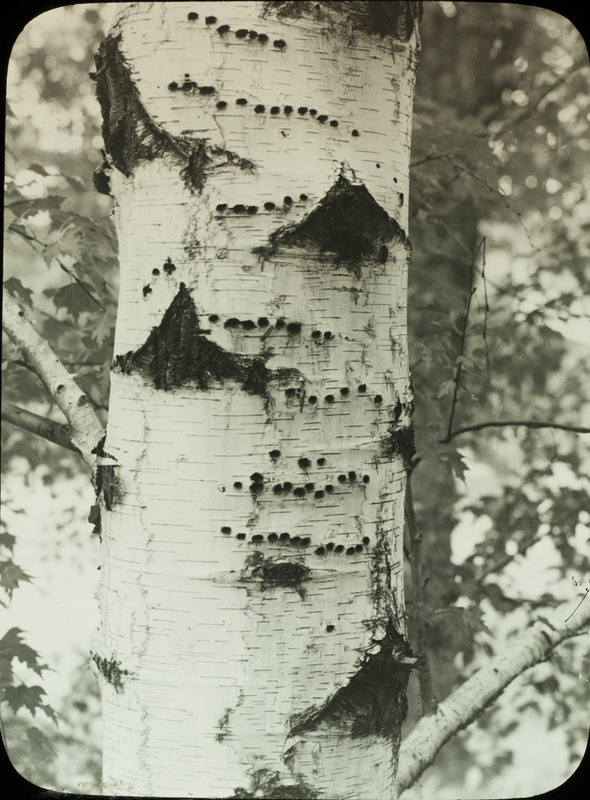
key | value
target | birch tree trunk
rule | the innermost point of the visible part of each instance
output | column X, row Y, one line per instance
column 252, row 479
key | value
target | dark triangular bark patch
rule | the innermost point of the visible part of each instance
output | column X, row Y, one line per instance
column 347, row 223
column 178, row 352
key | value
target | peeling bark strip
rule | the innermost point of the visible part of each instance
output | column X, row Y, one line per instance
column 347, row 222
column 131, row 135
column 374, row 700
column 177, row 352
column 266, row 783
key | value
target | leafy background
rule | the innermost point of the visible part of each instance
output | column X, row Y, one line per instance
column 500, row 221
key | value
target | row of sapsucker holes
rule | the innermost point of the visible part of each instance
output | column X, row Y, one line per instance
column 300, row 541
column 240, row 33
column 240, row 208
column 190, row 87
column 282, row 489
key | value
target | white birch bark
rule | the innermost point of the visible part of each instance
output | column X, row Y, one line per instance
column 252, row 587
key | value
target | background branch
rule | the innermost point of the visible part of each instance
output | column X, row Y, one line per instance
column 48, row 429
column 466, row 703
column 513, row 424
column 85, row 426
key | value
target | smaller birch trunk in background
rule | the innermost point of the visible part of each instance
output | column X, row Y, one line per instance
column 252, row 479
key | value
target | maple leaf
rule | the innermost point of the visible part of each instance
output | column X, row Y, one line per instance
column 11, row 575
column 18, row 291
column 12, row 646
column 23, row 696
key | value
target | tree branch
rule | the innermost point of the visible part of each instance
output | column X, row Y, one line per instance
column 41, row 426
column 84, row 424
column 513, row 423
column 466, row 703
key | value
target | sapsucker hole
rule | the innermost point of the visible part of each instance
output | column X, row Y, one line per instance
column 173, row 86
column 192, row 16
column 321, row 462
column 366, row 479
column 306, row 541
column 222, row 29
column 241, row 33
column 313, row 112
column 155, row 271
column 342, row 479
column 280, row 324
column 330, row 628
column 257, row 538
column 279, row 43
column 269, row 206
column 146, row 290
column 206, row 89
column 329, row 488
column 226, row 529
column 339, row 548
column 304, row 463
column 350, row 551
column 334, row 123
column 291, row 392
column 362, row 388
column 378, row 399
column 188, row 85
column 278, row 489
column 253, row 34
column 248, row 324
column 366, row 540
column 312, row 399
column 359, row 548
column 263, row 38
column 241, row 536
column 352, row 475
column 256, row 477
column 294, row 327
column 232, row 322
column 256, row 488
column 330, row 546
column 287, row 200
column 322, row 118
column 288, row 109
column 287, row 486
column 320, row 551
column 319, row 494
column 221, row 207
column 239, row 208
column 329, row 398
column 259, row 109
column 354, row 132
column 210, row 20
column 284, row 537
column 274, row 454
column 395, row 180
column 272, row 537
column 303, row 197
column 274, row 110
column 238, row 485
column 345, row 391
column 316, row 334
column 309, row 487
column 263, row 322
column 296, row 540
column 213, row 318
column 241, row 101
column 299, row 491
column 221, row 104
column 328, row 335
column 169, row 267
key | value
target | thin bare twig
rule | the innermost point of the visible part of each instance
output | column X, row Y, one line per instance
column 526, row 423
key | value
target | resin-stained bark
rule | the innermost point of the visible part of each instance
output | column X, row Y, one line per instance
column 260, row 410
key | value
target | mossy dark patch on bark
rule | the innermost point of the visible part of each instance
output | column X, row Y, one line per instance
column 347, row 223
column 266, row 783
column 111, row 671
column 178, row 352
column 277, row 572
column 399, row 441
column 131, row 135
column 373, row 702
column 380, row 17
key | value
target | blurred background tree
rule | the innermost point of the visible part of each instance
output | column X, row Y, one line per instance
column 499, row 329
